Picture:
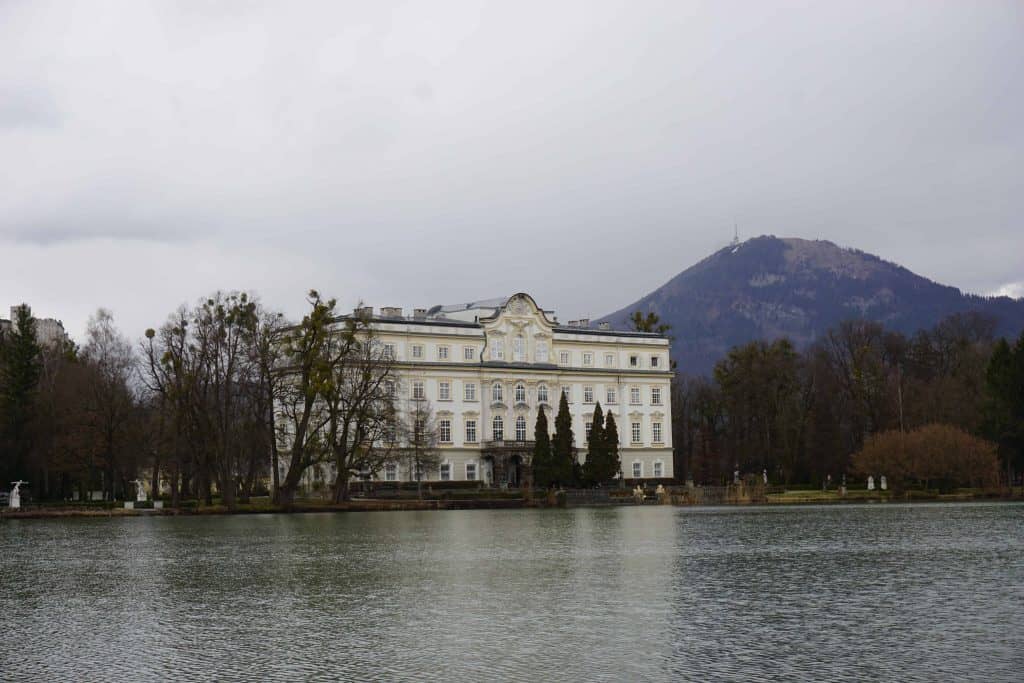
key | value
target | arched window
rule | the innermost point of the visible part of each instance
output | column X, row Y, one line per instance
column 496, row 393
column 520, row 393
column 542, row 393
column 520, row 428
column 498, row 428
column 518, row 349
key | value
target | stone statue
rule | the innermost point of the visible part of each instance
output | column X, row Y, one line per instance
column 884, row 484
column 660, row 490
column 764, row 475
column 140, row 490
column 638, row 493
column 15, row 500
column 736, row 476
column 871, row 483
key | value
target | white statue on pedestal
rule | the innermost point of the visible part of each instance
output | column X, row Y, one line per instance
column 884, row 484
column 15, row 500
column 764, row 475
column 140, row 490
column 871, row 483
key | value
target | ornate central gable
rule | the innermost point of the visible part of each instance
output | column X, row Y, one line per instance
column 518, row 332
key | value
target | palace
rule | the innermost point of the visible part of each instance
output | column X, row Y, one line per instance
column 486, row 367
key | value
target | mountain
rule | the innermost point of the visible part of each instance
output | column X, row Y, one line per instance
column 770, row 287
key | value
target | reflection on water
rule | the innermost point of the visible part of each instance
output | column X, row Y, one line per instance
column 924, row 592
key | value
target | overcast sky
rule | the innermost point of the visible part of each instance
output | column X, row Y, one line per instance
column 419, row 153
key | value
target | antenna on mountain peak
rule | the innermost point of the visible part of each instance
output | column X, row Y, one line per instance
column 735, row 235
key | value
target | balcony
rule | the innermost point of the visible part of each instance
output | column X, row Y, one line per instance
column 508, row 445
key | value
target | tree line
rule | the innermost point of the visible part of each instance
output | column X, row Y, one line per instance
column 814, row 416
column 224, row 397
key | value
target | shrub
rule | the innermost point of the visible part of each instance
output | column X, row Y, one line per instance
column 935, row 454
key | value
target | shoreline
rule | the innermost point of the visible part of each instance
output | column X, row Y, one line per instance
column 381, row 505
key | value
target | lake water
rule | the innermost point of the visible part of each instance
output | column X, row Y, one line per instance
column 884, row 592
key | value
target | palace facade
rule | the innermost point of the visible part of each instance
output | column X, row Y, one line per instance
column 486, row 368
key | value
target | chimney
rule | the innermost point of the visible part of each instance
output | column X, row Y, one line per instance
column 419, row 313
column 364, row 311
column 574, row 323
column 604, row 326
column 584, row 322
column 391, row 312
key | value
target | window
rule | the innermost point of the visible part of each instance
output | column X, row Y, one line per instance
column 658, row 470
column 563, row 357
column 656, row 432
column 444, row 391
column 498, row 428
column 655, row 360
column 588, row 394
column 496, row 393
column 542, row 393
column 389, row 351
column 542, row 352
column 390, row 431
column 468, row 353
column 415, row 473
column 497, row 350
column 470, row 471
column 567, row 392
column 389, row 388
column 391, row 472
column 588, row 358
column 656, row 396
column 469, row 392
column 446, row 471
column 634, row 395
column 442, row 353
column 471, row 431
column 609, row 360
column 610, row 395
column 417, row 390
column 634, row 361
column 636, row 432
column 417, row 351
column 587, row 427
column 444, row 430
column 520, row 428
column 520, row 393
column 638, row 470
column 518, row 349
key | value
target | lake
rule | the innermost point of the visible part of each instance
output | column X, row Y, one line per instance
column 888, row 592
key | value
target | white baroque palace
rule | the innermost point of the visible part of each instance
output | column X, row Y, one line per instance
column 486, row 367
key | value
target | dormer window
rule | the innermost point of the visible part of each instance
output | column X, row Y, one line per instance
column 518, row 349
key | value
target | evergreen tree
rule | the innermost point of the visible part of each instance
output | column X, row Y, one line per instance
column 1004, row 420
column 595, row 466
column 20, row 367
column 542, row 459
column 613, row 466
column 562, row 458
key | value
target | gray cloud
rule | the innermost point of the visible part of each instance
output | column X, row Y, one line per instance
column 410, row 154
column 28, row 107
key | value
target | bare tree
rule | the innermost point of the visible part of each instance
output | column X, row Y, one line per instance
column 359, row 403
column 419, row 439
